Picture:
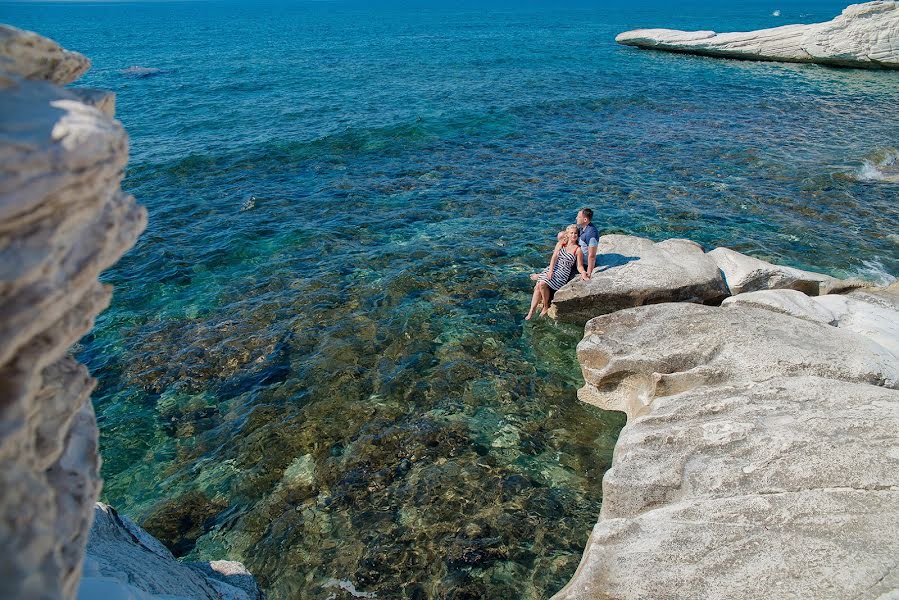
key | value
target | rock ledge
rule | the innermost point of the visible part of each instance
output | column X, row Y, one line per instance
column 864, row 35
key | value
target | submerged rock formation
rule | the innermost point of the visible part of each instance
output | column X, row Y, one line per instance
column 63, row 220
column 760, row 458
column 864, row 35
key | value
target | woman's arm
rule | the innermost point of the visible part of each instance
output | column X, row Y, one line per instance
column 553, row 260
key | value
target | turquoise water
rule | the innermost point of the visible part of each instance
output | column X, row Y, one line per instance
column 315, row 361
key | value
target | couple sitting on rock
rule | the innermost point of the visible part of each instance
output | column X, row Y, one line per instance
column 574, row 253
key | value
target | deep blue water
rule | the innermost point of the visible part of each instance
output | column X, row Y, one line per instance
column 315, row 361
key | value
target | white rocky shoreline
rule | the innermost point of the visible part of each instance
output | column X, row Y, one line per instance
column 863, row 36
column 761, row 454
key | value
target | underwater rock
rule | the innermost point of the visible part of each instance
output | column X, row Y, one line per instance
column 864, row 35
column 633, row 271
column 178, row 522
column 760, row 454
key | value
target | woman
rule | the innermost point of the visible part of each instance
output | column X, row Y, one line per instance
column 566, row 255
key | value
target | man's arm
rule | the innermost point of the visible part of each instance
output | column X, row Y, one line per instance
column 591, row 257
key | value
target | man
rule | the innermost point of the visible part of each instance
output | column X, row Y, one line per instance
column 588, row 240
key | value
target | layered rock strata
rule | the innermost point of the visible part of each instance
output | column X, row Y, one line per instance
column 760, row 458
column 63, row 220
column 633, row 271
column 125, row 562
column 864, row 35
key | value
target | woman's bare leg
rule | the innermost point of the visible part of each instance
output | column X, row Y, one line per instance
column 544, row 293
column 535, row 299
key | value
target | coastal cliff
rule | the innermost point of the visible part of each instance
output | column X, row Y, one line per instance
column 864, row 35
column 760, row 457
column 63, row 220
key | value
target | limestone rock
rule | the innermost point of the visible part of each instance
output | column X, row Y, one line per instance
column 124, row 561
column 633, row 271
column 63, row 219
column 633, row 356
column 877, row 323
column 864, row 35
column 747, row 274
column 101, row 99
column 760, row 457
column 788, row 302
column 32, row 56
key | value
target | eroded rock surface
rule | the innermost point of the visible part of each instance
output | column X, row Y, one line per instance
column 63, row 220
column 864, row 35
column 634, row 271
column 748, row 274
column 124, row 561
column 760, row 457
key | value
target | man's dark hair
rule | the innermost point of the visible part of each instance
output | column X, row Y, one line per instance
column 587, row 213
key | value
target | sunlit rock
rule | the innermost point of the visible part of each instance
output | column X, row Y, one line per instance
column 633, row 271
column 864, row 35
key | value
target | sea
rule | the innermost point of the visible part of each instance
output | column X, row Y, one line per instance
column 316, row 360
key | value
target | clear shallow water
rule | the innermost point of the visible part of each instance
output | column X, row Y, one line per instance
column 315, row 361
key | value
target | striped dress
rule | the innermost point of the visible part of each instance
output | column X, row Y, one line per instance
column 564, row 264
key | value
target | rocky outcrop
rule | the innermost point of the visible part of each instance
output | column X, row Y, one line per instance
column 760, row 458
column 633, row 271
column 125, row 562
column 747, row 274
column 864, row 35
column 63, row 220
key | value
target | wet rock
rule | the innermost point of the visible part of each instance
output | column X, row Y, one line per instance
column 864, row 35
column 178, row 522
column 633, row 271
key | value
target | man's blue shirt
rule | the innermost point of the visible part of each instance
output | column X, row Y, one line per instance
column 589, row 238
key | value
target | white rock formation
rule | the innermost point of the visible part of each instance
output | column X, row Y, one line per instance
column 761, row 455
column 864, row 35
column 63, row 220
column 633, row 271
column 747, row 274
